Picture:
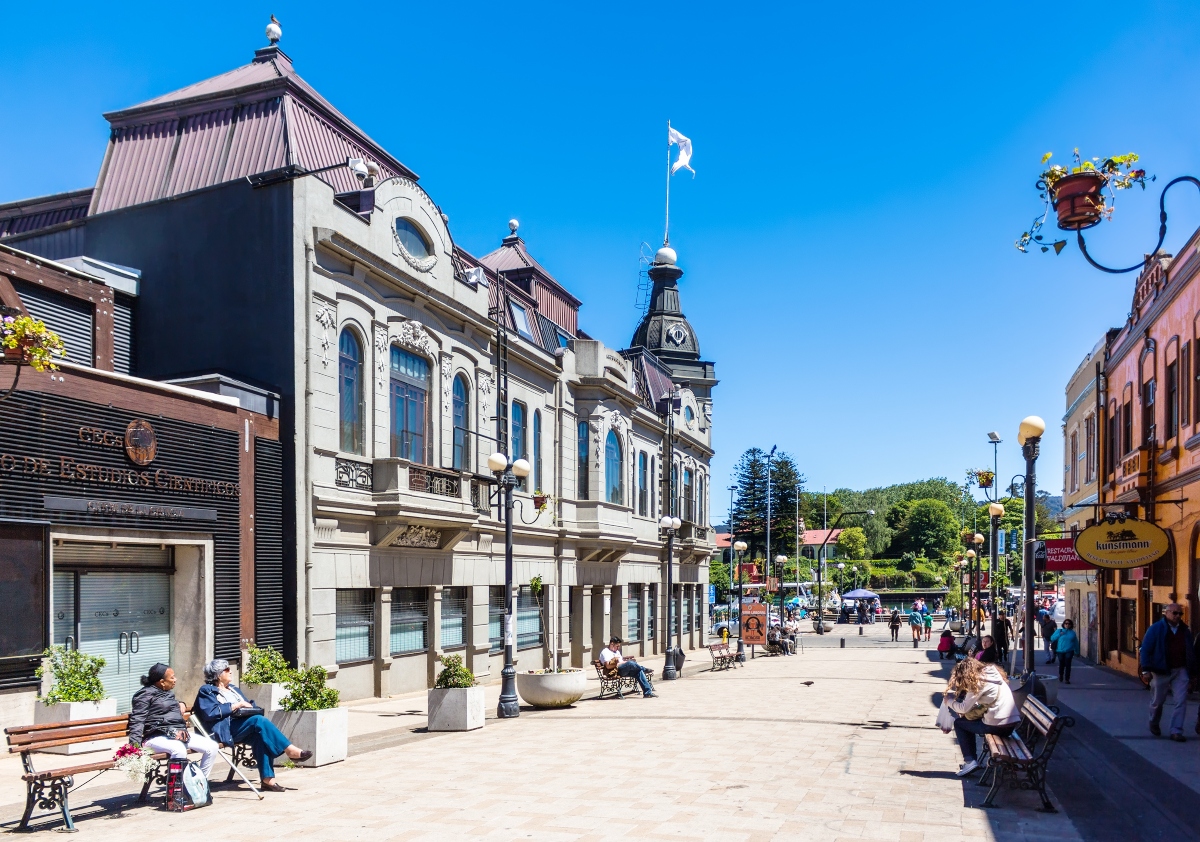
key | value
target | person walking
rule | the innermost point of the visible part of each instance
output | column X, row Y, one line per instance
column 928, row 626
column 1048, row 629
column 1168, row 663
column 1066, row 647
column 1002, row 630
column 916, row 622
column 894, row 624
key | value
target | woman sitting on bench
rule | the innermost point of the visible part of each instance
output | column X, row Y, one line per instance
column 979, row 697
column 156, row 720
column 231, row 718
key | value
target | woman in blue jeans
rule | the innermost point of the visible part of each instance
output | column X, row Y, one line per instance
column 1066, row 647
column 217, row 705
column 979, row 698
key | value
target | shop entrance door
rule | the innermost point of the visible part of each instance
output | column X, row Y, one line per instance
column 123, row 616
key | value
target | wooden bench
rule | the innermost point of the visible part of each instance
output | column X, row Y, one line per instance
column 1022, row 757
column 618, row 685
column 722, row 657
column 50, row 789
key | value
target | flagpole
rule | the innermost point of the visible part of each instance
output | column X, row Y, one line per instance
column 667, row 224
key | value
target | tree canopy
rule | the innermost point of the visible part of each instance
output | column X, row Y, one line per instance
column 852, row 543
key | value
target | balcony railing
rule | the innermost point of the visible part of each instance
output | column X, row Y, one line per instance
column 434, row 482
column 351, row 474
column 480, row 501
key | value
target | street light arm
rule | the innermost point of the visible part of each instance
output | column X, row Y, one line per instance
column 1162, row 230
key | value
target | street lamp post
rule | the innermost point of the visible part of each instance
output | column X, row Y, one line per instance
column 780, row 561
column 740, row 547
column 508, row 473
column 996, row 510
column 1029, row 436
column 970, row 554
column 821, row 566
column 978, row 540
column 668, row 525
column 841, row 566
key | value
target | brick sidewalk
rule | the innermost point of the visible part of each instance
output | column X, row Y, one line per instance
column 745, row 755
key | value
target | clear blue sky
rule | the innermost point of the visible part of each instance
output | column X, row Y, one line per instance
column 862, row 172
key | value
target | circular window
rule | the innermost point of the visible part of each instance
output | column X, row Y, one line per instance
column 688, row 414
column 412, row 239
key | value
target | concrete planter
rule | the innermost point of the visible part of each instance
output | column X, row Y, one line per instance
column 456, row 708
column 544, row 689
column 326, row 733
column 956, row 626
column 266, row 696
column 44, row 714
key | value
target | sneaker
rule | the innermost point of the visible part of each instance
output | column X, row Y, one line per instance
column 1155, row 730
column 1179, row 738
column 967, row 768
column 649, row 695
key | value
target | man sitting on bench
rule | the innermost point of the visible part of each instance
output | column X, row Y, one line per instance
column 611, row 660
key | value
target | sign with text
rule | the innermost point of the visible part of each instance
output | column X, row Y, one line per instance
column 1061, row 555
column 754, row 623
column 1122, row 545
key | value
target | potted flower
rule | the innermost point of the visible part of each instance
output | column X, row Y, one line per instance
column 455, row 702
column 311, row 717
column 27, row 341
column 76, row 692
column 557, row 687
column 1077, row 194
column 540, row 499
column 984, row 479
column 265, row 677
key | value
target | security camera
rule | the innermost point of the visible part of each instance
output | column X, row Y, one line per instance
column 359, row 167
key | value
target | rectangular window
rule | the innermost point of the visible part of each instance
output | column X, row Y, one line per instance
column 1172, row 407
column 1089, row 444
column 355, row 625
column 1073, row 466
column 1149, row 389
column 651, row 607
column 521, row 320
column 1185, row 383
column 1196, row 377
column 454, row 617
column 689, row 503
column 410, row 620
column 496, row 618
column 642, row 488
column 1127, row 427
column 409, row 397
column 538, row 482
column 653, row 497
column 698, row 608
column 529, row 619
column 519, row 444
column 633, row 626
column 581, row 465
column 687, row 611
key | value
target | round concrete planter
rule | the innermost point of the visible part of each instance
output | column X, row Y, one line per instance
column 552, row 689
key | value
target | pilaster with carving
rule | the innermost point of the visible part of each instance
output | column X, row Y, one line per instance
column 325, row 314
column 446, row 373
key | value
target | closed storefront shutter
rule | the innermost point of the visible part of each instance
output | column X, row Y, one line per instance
column 69, row 317
column 268, row 543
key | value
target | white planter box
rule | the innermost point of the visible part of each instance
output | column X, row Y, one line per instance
column 266, row 696
column 44, row 714
column 456, row 709
column 326, row 733
column 552, row 689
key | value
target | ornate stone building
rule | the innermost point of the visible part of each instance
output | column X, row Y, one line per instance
column 280, row 245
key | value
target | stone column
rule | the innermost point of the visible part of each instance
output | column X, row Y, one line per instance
column 435, row 632
column 581, row 626
column 647, row 645
column 600, row 623
column 478, row 642
column 619, row 620
column 702, row 632
column 565, row 654
column 383, row 642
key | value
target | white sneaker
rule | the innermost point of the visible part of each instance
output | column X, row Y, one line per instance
column 967, row 768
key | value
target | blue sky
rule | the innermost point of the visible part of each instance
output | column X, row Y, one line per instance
column 862, row 172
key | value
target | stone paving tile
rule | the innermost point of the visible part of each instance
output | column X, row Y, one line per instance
column 747, row 755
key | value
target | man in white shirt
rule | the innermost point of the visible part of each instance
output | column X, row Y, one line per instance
column 626, row 668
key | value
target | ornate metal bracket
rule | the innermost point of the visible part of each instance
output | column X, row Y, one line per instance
column 1162, row 230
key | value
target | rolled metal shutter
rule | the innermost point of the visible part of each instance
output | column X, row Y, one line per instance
column 69, row 317
column 268, row 543
column 123, row 335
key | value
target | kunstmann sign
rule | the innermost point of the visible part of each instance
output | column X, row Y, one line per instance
column 1119, row 546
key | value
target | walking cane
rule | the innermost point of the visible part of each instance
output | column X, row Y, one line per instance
column 228, row 760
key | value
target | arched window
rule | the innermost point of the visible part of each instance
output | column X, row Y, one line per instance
column 689, row 501
column 410, row 402
column 581, row 492
column 519, row 436
column 350, row 392
column 537, row 452
column 613, row 475
column 462, row 424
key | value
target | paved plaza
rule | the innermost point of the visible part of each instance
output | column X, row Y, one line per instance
column 835, row 743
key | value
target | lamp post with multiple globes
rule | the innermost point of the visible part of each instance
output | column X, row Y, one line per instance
column 740, row 548
column 508, row 473
column 669, row 525
column 1029, row 436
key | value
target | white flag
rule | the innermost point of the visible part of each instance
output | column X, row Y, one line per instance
column 683, row 162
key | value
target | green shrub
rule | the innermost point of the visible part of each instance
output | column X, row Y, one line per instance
column 307, row 690
column 266, row 666
column 454, row 674
column 75, row 676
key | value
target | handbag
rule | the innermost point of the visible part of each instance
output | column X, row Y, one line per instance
column 945, row 717
column 187, row 788
column 245, row 713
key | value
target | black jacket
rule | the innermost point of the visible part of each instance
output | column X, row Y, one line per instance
column 155, row 713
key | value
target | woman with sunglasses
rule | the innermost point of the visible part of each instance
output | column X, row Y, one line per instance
column 1066, row 646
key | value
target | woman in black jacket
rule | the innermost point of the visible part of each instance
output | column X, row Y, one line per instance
column 156, row 720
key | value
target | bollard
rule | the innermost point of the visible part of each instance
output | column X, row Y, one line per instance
column 860, row 631
column 843, row 646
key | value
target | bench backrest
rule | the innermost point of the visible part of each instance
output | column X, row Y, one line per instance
column 1040, row 727
column 24, row 738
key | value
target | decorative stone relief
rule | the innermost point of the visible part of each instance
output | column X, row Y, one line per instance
column 412, row 334
column 486, row 383
column 594, row 426
column 447, row 377
column 418, row 536
column 326, row 318
column 381, row 355
column 618, row 422
column 325, row 529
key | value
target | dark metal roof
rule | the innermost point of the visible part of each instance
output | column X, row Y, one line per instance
column 514, row 256
column 44, row 211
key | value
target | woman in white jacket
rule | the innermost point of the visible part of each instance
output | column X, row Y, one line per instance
column 979, row 697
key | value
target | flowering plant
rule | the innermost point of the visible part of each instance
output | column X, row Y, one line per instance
column 136, row 762
column 31, row 342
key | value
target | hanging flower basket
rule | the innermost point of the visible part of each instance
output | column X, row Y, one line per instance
column 1078, row 200
column 540, row 500
column 984, row 479
column 27, row 341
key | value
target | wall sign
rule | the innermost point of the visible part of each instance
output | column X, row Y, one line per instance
column 754, row 623
column 115, row 508
column 1121, row 545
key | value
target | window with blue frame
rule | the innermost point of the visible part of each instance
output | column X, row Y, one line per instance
column 410, row 401
column 519, row 436
column 350, row 392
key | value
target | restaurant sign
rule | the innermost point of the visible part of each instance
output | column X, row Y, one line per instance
column 1123, row 544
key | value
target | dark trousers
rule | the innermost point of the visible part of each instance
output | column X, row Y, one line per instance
column 966, row 729
column 1064, row 665
column 634, row 669
column 265, row 740
column 896, row 633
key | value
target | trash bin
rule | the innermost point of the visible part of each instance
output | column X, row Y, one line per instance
column 679, row 658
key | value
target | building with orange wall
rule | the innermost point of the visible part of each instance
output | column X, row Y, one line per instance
column 1150, row 448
